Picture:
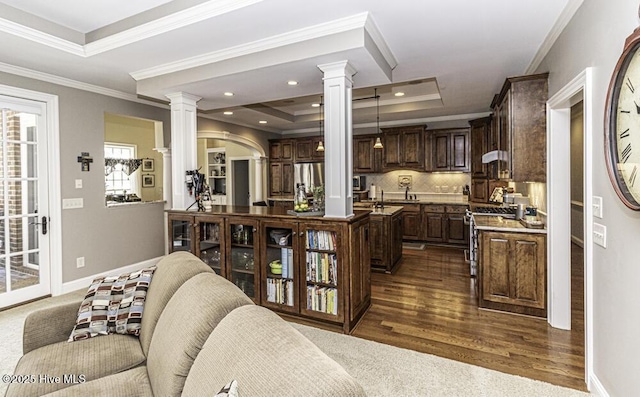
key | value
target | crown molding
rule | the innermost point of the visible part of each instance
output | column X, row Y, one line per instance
column 41, row 38
column 63, row 81
column 563, row 20
column 280, row 40
column 166, row 24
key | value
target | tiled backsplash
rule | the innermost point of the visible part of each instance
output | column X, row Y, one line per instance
column 421, row 183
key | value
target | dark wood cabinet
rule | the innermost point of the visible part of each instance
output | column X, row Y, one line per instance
column 328, row 265
column 448, row 150
column 411, row 222
column 457, row 232
column 366, row 159
column 479, row 134
column 281, row 178
column 445, row 224
column 433, row 223
column 281, row 149
column 303, row 150
column 520, row 111
column 385, row 241
column 403, row 148
column 512, row 272
column 480, row 190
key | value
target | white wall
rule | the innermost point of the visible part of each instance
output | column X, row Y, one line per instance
column 595, row 37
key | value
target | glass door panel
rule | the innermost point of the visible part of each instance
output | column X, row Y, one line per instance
column 242, row 256
column 210, row 239
column 280, row 274
column 180, row 230
column 23, row 203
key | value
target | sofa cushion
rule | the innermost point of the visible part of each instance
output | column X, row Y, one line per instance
column 172, row 271
column 131, row 383
column 184, row 326
column 113, row 304
column 266, row 356
column 93, row 358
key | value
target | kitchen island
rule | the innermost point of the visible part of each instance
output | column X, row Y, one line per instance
column 512, row 266
column 311, row 269
column 385, row 227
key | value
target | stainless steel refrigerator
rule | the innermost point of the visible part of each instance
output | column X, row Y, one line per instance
column 311, row 174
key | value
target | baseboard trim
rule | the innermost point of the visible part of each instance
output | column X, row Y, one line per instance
column 595, row 387
column 85, row 281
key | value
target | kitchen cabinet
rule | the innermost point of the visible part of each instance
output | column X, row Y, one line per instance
column 366, row 159
column 281, row 178
column 403, row 148
column 445, row 224
column 479, row 134
column 512, row 272
column 480, row 190
column 456, row 232
column 281, row 150
column 411, row 222
column 328, row 263
column 449, row 150
column 433, row 221
column 520, row 112
column 386, row 241
column 303, row 150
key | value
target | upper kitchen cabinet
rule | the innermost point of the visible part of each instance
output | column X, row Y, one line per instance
column 480, row 134
column 403, row 148
column 366, row 159
column 449, row 150
column 520, row 111
column 281, row 150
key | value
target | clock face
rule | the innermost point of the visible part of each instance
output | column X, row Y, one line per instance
column 624, row 130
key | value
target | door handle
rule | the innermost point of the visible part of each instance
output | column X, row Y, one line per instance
column 43, row 223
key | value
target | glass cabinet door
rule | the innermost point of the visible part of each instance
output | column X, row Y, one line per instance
column 279, row 266
column 180, row 233
column 211, row 242
column 242, row 257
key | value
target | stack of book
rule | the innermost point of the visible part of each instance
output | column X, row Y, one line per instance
column 280, row 291
column 321, row 240
column 322, row 299
column 322, row 267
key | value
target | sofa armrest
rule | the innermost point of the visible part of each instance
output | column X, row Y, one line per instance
column 50, row 325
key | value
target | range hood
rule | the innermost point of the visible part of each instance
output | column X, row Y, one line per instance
column 495, row 155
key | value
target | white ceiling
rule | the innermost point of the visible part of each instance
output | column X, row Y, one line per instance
column 458, row 52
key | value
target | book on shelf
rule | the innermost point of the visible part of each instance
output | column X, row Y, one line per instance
column 280, row 291
column 322, row 299
column 324, row 240
column 322, row 267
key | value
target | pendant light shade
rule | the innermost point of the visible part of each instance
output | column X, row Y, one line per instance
column 378, row 144
column 320, row 147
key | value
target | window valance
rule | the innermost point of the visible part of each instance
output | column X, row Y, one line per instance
column 128, row 166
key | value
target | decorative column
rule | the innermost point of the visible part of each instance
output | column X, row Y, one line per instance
column 259, row 175
column 184, row 138
column 338, row 135
column 167, row 194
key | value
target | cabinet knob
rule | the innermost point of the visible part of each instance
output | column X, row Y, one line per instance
column 255, row 230
column 301, row 234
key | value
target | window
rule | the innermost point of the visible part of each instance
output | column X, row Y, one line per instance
column 117, row 181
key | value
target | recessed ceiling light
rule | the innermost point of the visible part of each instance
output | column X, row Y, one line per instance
column 228, row 113
column 262, row 121
column 228, row 93
column 399, row 93
column 315, row 105
column 292, row 82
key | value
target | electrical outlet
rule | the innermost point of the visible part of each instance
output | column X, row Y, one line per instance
column 600, row 234
column 78, row 183
column 597, row 207
column 80, row 262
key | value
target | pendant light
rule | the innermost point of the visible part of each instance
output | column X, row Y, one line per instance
column 378, row 144
column 320, row 147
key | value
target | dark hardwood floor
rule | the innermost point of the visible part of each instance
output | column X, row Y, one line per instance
column 429, row 305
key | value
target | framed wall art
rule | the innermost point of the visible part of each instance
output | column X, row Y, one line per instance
column 148, row 165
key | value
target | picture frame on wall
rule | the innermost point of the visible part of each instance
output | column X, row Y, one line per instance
column 148, row 180
column 148, row 165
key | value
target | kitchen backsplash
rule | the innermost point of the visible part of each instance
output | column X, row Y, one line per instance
column 421, row 183
column 537, row 193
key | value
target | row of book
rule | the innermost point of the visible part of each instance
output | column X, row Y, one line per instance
column 322, row 299
column 286, row 258
column 321, row 240
column 280, row 291
column 322, row 267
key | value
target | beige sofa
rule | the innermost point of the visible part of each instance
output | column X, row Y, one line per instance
column 199, row 332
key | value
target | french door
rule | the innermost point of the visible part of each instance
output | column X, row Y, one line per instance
column 24, row 210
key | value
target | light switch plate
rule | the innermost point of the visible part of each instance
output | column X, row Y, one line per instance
column 600, row 234
column 78, row 183
column 597, row 206
column 80, row 262
column 68, row 204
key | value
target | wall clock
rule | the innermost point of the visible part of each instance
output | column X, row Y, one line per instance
column 622, row 124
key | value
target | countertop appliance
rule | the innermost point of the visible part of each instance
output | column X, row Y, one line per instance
column 359, row 182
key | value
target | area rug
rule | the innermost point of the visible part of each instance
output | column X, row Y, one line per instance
column 414, row 246
column 382, row 370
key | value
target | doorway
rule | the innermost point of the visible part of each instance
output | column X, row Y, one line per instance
column 240, row 182
column 24, row 201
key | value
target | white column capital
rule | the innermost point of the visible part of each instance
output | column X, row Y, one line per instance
column 183, row 98
column 337, row 69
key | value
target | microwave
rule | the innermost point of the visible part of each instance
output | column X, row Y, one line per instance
column 359, row 182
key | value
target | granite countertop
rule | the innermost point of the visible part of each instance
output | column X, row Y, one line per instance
column 421, row 201
column 500, row 224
